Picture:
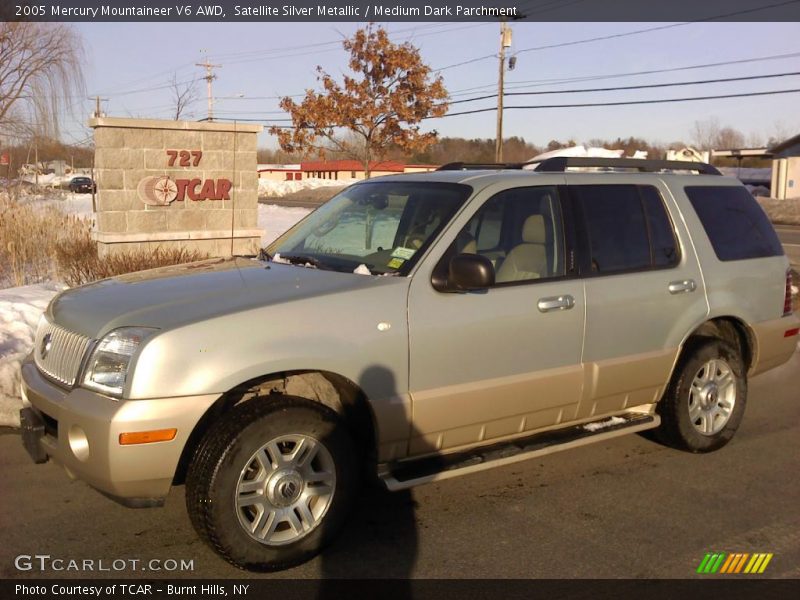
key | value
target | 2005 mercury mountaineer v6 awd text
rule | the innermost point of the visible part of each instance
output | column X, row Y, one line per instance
column 411, row 329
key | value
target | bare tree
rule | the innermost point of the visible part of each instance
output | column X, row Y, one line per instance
column 184, row 93
column 709, row 135
column 729, row 138
column 755, row 139
column 41, row 76
column 704, row 133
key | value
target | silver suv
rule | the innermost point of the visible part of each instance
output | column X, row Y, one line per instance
column 412, row 329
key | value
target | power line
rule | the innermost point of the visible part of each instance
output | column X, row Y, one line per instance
column 630, row 87
column 621, row 35
column 279, row 53
column 561, row 81
column 621, row 103
column 274, row 122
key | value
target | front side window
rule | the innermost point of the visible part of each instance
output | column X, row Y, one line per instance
column 626, row 228
column 520, row 231
column 381, row 225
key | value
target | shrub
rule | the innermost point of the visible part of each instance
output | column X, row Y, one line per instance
column 78, row 262
column 29, row 234
column 39, row 242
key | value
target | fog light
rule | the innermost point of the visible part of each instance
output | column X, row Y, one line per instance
column 79, row 443
column 147, row 437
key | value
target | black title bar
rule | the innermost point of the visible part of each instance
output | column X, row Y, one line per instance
column 401, row 10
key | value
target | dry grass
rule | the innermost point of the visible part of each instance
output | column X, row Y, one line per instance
column 40, row 243
column 782, row 212
column 28, row 238
column 79, row 263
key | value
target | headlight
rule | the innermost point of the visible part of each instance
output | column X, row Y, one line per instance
column 107, row 368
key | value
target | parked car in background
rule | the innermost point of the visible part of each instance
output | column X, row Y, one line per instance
column 82, row 185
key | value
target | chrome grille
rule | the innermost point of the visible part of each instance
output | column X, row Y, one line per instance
column 63, row 359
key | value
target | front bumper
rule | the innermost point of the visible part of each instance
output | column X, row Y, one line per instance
column 80, row 429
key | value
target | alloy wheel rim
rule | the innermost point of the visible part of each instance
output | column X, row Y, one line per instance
column 285, row 489
column 712, row 397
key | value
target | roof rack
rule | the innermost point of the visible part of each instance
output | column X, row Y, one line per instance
column 464, row 166
column 559, row 164
column 562, row 163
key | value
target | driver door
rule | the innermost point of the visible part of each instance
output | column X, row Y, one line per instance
column 501, row 362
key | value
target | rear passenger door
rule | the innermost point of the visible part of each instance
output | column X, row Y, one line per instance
column 643, row 289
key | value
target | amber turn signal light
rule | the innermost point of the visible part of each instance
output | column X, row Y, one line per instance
column 147, row 437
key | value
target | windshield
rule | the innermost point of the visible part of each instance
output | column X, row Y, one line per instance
column 384, row 226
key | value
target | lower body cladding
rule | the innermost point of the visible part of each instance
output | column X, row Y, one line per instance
column 81, row 430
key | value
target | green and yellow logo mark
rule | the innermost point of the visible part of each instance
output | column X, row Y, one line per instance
column 735, row 562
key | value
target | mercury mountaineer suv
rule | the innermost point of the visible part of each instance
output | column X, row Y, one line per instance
column 414, row 328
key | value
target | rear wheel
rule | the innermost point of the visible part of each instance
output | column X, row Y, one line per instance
column 272, row 483
column 705, row 401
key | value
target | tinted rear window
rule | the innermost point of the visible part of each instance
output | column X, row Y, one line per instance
column 627, row 228
column 736, row 225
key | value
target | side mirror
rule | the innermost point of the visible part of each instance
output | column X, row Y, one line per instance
column 470, row 272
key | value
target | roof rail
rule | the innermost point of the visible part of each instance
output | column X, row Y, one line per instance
column 562, row 163
column 463, row 166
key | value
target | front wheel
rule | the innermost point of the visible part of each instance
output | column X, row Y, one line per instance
column 272, row 483
column 705, row 401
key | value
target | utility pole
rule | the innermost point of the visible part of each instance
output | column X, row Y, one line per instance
column 209, row 78
column 97, row 112
column 505, row 42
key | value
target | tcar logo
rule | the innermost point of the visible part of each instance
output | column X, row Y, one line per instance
column 161, row 191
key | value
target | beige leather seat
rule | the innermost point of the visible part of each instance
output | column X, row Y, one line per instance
column 527, row 260
column 466, row 244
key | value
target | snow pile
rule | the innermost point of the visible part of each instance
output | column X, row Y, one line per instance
column 20, row 309
column 277, row 189
column 274, row 220
column 51, row 179
column 72, row 204
column 584, row 152
column 598, row 425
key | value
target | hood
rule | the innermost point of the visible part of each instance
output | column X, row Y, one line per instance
column 178, row 295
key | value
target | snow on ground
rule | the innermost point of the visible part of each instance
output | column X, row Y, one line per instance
column 274, row 220
column 72, row 204
column 20, row 309
column 278, row 189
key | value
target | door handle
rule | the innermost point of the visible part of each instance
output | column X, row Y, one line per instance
column 682, row 287
column 564, row 302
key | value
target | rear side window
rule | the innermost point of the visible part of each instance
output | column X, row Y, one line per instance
column 626, row 227
column 662, row 235
column 736, row 225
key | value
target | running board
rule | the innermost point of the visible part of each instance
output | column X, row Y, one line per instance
column 401, row 476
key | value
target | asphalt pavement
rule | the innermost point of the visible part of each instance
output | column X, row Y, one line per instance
column 627, row 508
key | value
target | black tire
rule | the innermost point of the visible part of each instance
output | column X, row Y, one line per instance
column 229, row 446
column 677, row 429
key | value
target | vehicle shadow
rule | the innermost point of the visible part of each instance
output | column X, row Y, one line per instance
column 381, row 536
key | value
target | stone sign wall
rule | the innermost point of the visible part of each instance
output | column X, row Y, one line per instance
column 176, row 184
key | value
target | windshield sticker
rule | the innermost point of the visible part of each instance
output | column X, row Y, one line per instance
column 404, row 253
column 395, row 263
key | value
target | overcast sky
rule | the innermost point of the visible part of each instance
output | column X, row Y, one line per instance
column 127, row 62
